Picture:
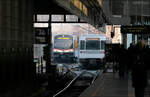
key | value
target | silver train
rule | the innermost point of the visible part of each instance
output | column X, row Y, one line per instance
column 64, row 48
column 92, row 49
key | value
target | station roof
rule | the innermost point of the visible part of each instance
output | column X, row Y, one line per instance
column 90, row 10
column 126, row 12
column 98, row 12
column 48, row 7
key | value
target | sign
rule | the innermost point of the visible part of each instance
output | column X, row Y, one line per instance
column 135, row 29
column 41, row 32
column 63, row 38
column 92, row 38
column 40, row 35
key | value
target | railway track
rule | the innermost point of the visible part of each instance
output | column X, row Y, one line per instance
column 74, row 91
column 77, row 85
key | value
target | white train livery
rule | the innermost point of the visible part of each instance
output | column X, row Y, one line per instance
column 92, row 47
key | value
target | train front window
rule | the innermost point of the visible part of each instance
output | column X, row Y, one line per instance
column 102, row 45
column 63, row 43
column 82, row 45
column 92, row 44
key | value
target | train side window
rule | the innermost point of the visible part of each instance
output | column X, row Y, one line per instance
column 102, row 45
column 82, row 45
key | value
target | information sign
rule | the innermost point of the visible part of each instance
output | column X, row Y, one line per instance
column 40, row 35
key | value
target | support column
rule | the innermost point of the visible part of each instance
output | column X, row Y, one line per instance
column 16, row 52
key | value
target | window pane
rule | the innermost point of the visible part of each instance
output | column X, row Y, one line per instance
column 82, row 45
column 40, row 24
column 42, row 17
column 57, row 18
column 149, row 41
column 71, row 18
column 102, row 45
column 82, row 20
column 63, row 42
column 92, row 44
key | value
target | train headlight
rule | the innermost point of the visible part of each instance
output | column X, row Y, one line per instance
column 68, row 50
column 101, row 52
column 57, row 50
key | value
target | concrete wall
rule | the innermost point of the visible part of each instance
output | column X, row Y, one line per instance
column 16, row 52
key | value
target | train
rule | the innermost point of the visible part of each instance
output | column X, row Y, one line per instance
column 85, row 49
column 92, row 49
column 64, row 48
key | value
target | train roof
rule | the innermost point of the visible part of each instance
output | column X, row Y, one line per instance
column 63, row 34
column 101, row 36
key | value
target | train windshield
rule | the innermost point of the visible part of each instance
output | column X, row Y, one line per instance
column 82, row 45
column 63, row 42
column 102, row 45
column 92, row 44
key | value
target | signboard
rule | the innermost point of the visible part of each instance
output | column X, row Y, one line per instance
column 135, row 29
column 63, row 38
column 92, row 38
column 40, row 35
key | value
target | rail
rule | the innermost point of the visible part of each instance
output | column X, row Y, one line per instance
column 97, row 73
column 83, row 72
column 67, row 85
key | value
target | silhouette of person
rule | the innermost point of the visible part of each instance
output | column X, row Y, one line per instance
column 122, row 62
column 139, row 78
column 139, row 72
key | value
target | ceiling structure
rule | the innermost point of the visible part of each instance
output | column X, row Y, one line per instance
column 88, row 10
column 48, row 7
column 126, row 12
column 99, row 12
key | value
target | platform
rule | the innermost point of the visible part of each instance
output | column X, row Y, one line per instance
column 109, row 85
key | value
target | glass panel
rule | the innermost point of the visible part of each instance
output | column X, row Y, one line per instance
column 82, row 20
column 102, row 45
column 149, row 40
column 57, row 18
column 129, row 40
column 43, row 18
column 82, row 45
column 63, row 42
column 73, row 18
column 92, row 44
column 40, row 24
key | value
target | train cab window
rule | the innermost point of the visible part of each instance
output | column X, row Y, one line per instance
column 63, row 42
column 82, row 45
column 102, row 45
column 92, row 44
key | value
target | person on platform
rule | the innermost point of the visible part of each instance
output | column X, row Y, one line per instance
column 139, row 70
